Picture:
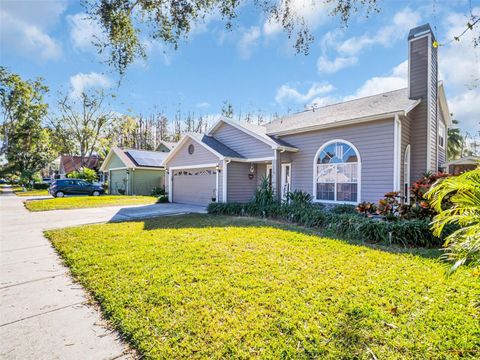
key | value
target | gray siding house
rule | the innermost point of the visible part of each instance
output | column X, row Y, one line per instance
column 349, row 152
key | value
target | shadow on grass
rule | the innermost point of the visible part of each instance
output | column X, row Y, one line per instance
column 205, row 220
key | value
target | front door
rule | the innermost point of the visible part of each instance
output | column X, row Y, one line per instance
column 286, row 180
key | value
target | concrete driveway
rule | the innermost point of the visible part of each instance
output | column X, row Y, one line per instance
column 43, row 313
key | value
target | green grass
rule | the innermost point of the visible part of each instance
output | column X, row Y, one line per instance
column 33, row 192
column 209, row 287
column 87, row 202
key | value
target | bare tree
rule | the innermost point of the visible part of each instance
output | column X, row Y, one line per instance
column 84, row 120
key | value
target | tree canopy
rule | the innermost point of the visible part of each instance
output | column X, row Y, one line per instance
column 126, row 22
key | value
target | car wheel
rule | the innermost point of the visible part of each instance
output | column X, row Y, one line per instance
column 96, row 193
column 59, row 194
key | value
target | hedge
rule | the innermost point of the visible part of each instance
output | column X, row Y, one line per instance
column 343, row 222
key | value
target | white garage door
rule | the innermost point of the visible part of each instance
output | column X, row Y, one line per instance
column 194, row 186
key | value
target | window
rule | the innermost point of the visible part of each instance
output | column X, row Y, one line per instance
column 191, row 149
column 441, row 135
column 337, row 171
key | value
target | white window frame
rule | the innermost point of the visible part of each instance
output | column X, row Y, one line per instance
column 283, row 180
column 359, row 175
column 406, row 172
column 442, row 127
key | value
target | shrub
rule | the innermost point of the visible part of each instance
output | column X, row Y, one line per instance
column 463, row 192
column 343, row 209
column 158, row 191
column 85, row 174
column 40, row 186
column 299, row 197
column 347, row 225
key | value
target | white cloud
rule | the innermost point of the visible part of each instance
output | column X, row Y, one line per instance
column 314, row 13
column 324, row 65
column 84, row 32
column 286, row 93
column 24, row 27
column 402, row 22
column 81, row 82
column 247, row 41
column 397, row 79
column 459, row 65
column 466, row 108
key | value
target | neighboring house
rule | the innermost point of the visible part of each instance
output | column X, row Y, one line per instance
column 134, row 172
column 349, row 152
column 165, row 146
column 461, row 165
column 69, row 163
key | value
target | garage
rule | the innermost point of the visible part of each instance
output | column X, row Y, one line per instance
column 194, row 186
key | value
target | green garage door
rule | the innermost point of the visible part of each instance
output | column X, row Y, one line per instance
column 118, row 181
column 144, row 181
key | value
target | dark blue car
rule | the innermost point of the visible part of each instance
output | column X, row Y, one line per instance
column 62, row 187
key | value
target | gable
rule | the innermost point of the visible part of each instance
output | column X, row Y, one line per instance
column 243, row 143
column 114, row 162
column 181, row 156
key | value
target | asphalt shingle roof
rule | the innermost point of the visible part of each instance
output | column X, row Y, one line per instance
column 216, row 145
column 384, row 103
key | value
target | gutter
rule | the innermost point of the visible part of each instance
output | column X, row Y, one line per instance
column 360, row 120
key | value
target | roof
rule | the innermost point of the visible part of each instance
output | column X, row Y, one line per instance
column 257, row 131
column 144, row 158
column 419, row 31
column 71, row 163
column 380, row 105
column 133, row 158
column 467, row 160
column 216, row 145
column 169, row 144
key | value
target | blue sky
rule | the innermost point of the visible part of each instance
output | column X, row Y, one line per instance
column 254, row 66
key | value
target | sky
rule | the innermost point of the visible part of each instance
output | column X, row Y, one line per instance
column 254, row 66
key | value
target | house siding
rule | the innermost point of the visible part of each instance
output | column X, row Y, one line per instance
column 406, row 134
column 418, row 68
column 240, row 187
column 418, row 140
column 200, row 156
column 246, row 145
column 374, row 142
column 115, row 162
column 433, row 110
column 442, row 155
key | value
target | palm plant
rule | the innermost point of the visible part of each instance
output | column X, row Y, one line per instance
column 455, row 142
column 463, row 192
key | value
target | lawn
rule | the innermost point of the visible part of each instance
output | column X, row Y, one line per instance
column 33, row 192
column 199, row 286
column 78, row 202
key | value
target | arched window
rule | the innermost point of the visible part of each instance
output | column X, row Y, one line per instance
column 406, row 174
column 337, row 172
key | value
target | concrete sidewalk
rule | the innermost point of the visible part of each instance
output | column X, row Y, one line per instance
column 43, row 313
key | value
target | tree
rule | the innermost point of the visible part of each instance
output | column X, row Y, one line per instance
column 463, row 191
column 25, row 142
column 227, row 109
column 124, row 21
column 84, row 121
column 455, row 142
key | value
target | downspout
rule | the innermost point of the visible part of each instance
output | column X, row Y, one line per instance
column 225, row 184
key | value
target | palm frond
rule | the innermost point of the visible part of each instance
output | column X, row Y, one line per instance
column 463, row 193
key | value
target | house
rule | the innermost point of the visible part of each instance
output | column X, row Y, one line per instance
column 65, row 164
column 165, row 146
column 349, row 152
column 134, row 172
column 463, row 164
